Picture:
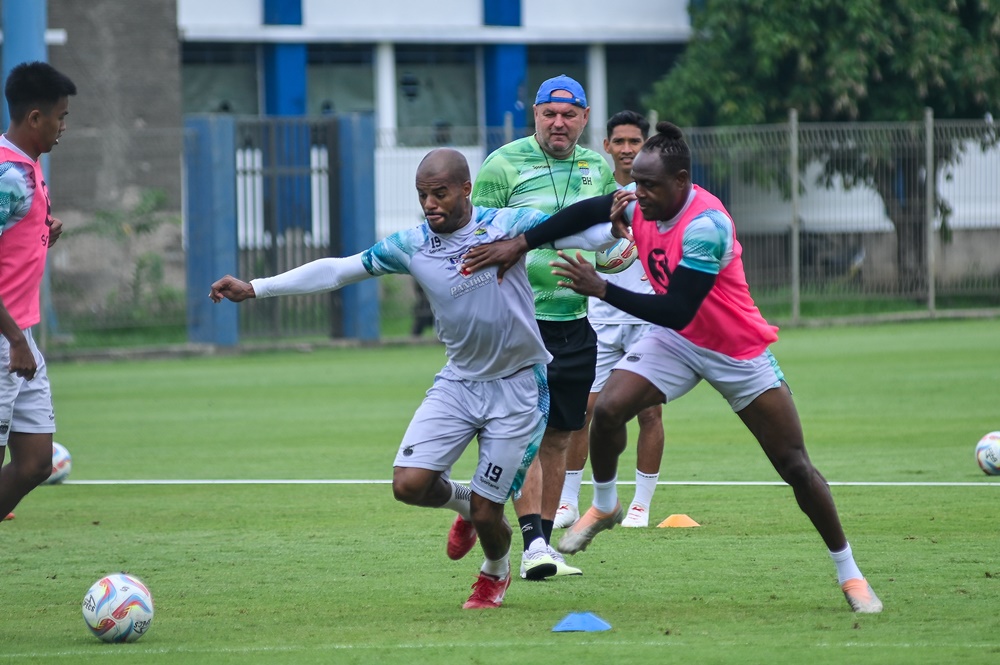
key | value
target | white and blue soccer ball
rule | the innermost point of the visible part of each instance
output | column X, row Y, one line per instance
column 988, row 454
column 118, row 608
column 62, row 463
column 616, row 258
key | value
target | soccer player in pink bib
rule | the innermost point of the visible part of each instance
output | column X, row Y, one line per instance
column 706, row 326
column 38, row 101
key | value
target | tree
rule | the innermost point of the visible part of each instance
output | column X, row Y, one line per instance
column 750, row 61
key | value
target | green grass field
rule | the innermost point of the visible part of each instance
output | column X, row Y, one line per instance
column 318, row 572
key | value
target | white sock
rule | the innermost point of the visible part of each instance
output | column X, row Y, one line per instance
column 499, row 568
column 847, row 569
column 537, row 545
column 571, row 488
column 606, row 495
column 459, row 501
column 645, row 485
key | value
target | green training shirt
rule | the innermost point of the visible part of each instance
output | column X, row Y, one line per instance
column 521, row 175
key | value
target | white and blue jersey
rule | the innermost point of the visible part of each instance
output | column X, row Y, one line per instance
column 493, row 386
column 488, row 331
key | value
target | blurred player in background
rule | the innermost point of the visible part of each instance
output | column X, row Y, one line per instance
column 616, row 331
column 38, row 101
column 494, row 384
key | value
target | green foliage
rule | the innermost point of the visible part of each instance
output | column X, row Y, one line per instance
column 862, row 60
column 145, row 297
column 125, row 226
column 324, row 573
column 749, row 63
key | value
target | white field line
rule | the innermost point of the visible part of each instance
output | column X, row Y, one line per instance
column 713, row 483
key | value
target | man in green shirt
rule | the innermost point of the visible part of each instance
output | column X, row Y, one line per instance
column 548, row 171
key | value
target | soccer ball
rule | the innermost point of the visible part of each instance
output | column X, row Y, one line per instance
column 988, row 454
column 616, row 258
column 62, row 463
column 118, row 608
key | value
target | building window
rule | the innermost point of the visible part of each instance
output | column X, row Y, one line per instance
column 341, row 79
column 219, row 78
column 436, row 89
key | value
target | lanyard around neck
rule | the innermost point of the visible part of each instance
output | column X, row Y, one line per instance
column 569, row 176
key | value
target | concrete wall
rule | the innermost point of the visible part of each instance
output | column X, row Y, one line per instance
column 123, row 140
column 123, row 128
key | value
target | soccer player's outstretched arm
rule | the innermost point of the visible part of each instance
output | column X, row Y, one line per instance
column 321, row 275
column 674, row 309
column 707, row 246
column 571, row 222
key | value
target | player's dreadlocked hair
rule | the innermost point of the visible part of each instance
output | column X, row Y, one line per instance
column 669, row 142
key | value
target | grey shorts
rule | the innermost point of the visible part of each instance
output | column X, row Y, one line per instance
column 613, row 340
column 25, row 406
column 508, row 416
column 675, row 366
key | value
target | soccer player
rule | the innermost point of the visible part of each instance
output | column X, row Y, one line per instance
column 493, row 386
column 616, row 331
column 706, row 326
column 38, row 100
column 549, row 171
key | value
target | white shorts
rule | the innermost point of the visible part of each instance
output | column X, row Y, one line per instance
column 613, row 340
column 675, row 366
column 25, row 406
column 508, row 415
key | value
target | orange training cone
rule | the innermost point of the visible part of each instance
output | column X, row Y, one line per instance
column 678, row 521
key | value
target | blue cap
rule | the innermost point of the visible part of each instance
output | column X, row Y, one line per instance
column 561, row 82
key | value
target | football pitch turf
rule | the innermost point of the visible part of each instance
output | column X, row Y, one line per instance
column 251, row 494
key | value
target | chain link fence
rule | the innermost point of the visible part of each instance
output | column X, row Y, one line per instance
column 835, row 220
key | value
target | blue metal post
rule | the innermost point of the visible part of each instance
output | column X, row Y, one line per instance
column 356, row 133
column 505, row 72
column 24, row 41
column 210, row 168
column 502, row 12
column 284, row 64
column 285, row 79
column 282, row 12
column 286, row 149
column 24, row 26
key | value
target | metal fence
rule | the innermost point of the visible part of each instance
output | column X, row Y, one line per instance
column 834, row 219
column 284, row 189
column 882, row 216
